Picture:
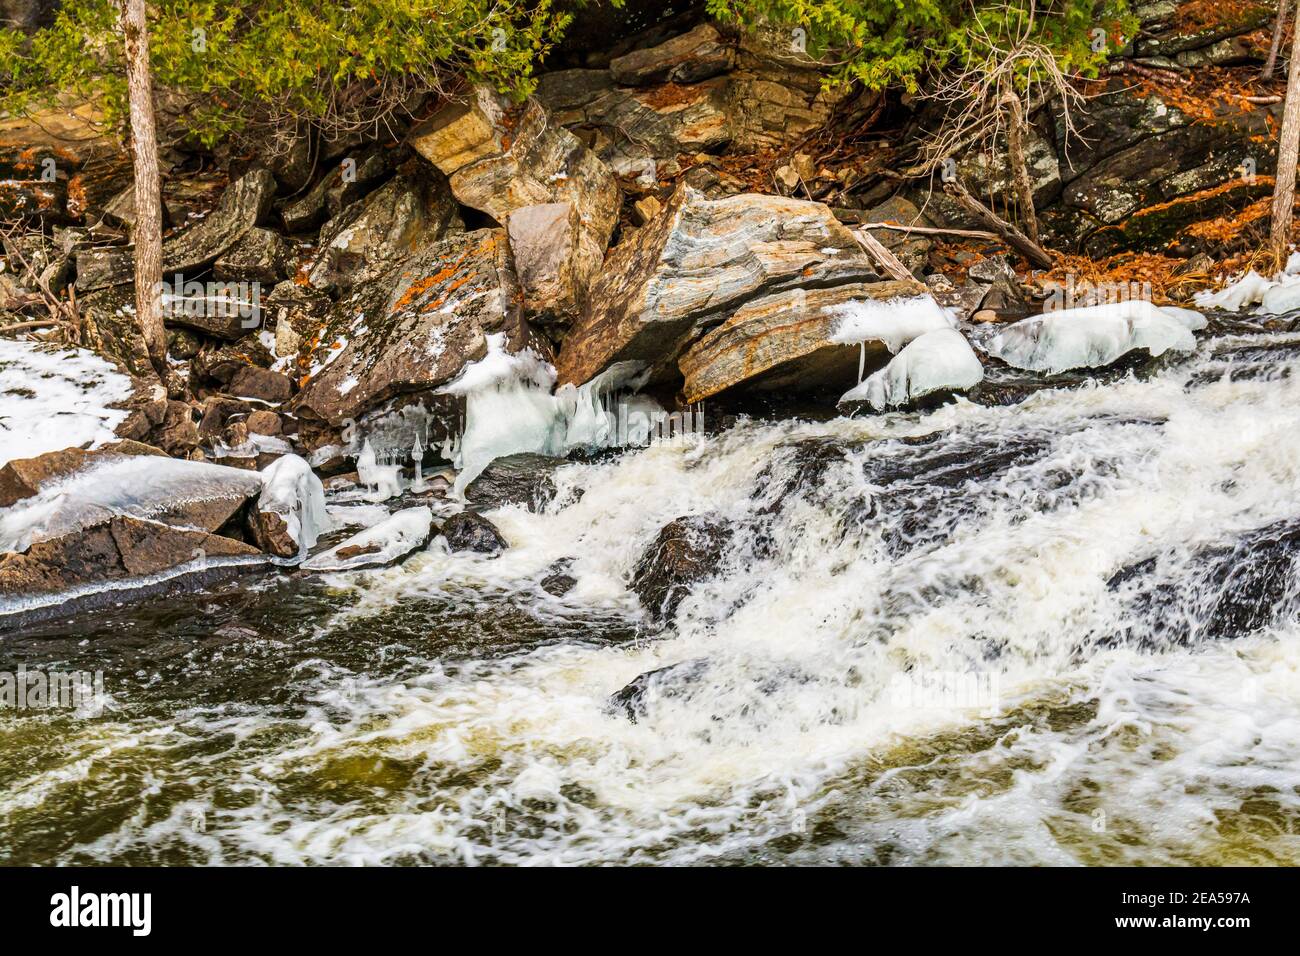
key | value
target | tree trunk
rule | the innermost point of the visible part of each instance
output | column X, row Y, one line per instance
column 1279, row 26
column 1288, row 147
column 147, row 231
column 1019, row 167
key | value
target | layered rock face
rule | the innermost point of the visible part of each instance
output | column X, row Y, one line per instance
column 415, row 327
column 766, row 266
column 508, row 163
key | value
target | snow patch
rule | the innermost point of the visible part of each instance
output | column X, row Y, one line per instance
column 56, row 399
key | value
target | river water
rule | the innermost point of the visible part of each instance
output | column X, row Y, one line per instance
column 1057, row 632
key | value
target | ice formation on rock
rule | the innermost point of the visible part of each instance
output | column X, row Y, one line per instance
column 1090, row 337
column 941, row 360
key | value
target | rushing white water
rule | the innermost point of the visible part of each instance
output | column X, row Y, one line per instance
column 979, row 635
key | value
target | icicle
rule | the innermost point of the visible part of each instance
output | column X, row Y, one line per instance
column 862, row 360
column 417, row 458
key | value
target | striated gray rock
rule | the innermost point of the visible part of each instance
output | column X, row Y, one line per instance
column 500, row 160
column 404, row 215
column 260, row 256
column 695, row 266
column 244, row 203
column 689, row 58
column 783, row 341
column 639, row 132
column 414, row 327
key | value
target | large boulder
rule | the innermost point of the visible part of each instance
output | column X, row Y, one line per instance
column 695, row 266
column 500, row 160
column 117, row 548
column 413, row 328
column 396, row 220
column 553, row 262
column 784, row 341
column 686, row 551
column 244, row 203
column 116, row 513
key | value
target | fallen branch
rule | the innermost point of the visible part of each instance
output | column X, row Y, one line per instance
column 24, row 326
column 1013, row 237
column 1264, row 100
column 933, row 230
column 888, row 261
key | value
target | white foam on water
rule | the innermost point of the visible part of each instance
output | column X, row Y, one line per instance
column 858, row 562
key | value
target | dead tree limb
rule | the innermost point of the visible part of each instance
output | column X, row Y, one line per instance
column 1279, row 25
column 933, row 230
column 888, row 261
column 1013, row 237
column 1019, row 166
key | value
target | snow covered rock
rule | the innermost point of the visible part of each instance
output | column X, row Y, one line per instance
column 25, row 477
column 55, row 399
column 695, row 265
column 1091, row 337
column 187, row 494
column 290, row 512
column 937, row 361
column 380, row 544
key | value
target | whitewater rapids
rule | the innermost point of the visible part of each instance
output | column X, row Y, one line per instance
column 449, row 710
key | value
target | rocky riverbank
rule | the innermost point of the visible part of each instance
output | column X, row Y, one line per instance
column 369, row 339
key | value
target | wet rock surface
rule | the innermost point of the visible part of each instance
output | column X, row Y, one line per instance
column 523, row 479
column 468, row 531
column 685, row 552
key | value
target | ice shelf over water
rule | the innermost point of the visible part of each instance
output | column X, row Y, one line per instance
column 895, row 322
column 1094, row 336
column 383, row 543
column 55, row 399
column 941, row 360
